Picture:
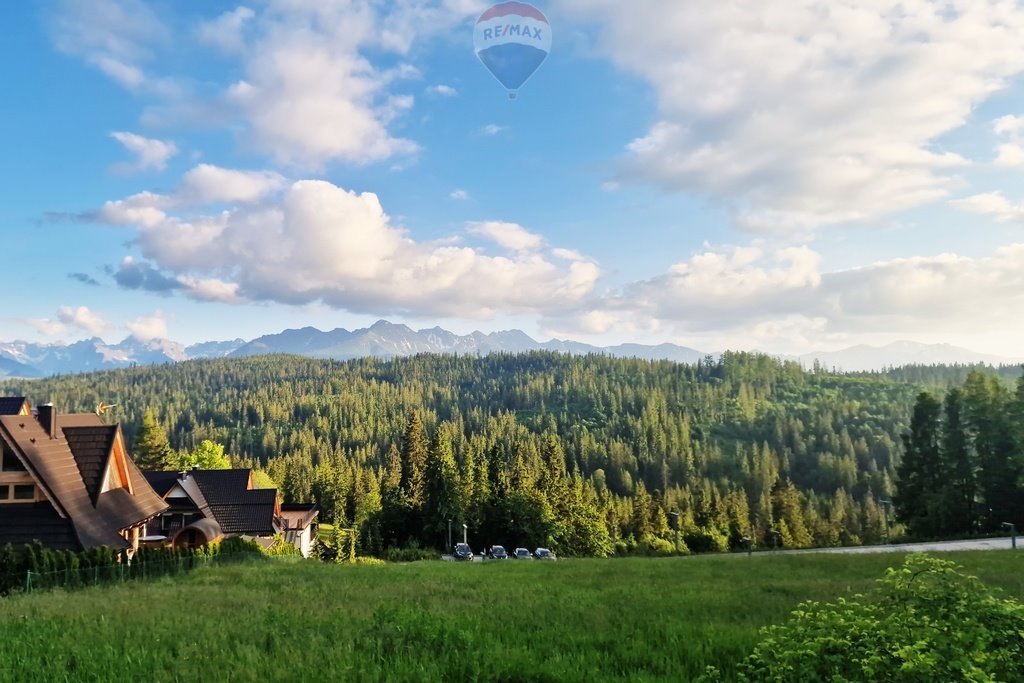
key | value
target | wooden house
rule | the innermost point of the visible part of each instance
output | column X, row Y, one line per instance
column 68, row 481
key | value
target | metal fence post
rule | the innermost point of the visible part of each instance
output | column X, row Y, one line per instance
column 28, row 582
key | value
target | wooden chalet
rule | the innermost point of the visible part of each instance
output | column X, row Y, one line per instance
column 207, row 505
column 68, row 481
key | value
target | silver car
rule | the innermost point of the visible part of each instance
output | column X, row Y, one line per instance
column 544, row 554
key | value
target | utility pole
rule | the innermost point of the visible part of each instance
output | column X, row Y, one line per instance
column 450, row 536
column 673, row 521
column 885, row 511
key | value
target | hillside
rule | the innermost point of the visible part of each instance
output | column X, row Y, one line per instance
column 589, row 454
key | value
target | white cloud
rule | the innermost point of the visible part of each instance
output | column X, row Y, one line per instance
column 315, row 242
column 507, row 235
column 459, row 195
column 1010, row 154
column 206, row 184
column 210, row 289
column 82, row 318
column 150, row 153
column 491, row 129
column 226, row 32
column 44, row 326
column 148, row 328
column 202, row 185
column 756, row 295
column 1012, row 126
column 114, row 36
column 813, row 112
column 443, row 90
column 992, row 204
column 305, row 86
column 568, row 254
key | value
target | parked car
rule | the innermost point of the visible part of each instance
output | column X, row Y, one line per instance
column 544, row 554
column 463, row 552
column 498, row 553
column 522, row 554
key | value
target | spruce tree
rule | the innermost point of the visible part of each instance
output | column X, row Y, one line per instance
column 443, row 501
column 152, row 450
column 920, row 470
column 415, row 445
column 958, row 476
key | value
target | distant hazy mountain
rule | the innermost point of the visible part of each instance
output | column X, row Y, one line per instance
column 85, row 355
column 387, row 340
column 214, row 349
column 863, row 358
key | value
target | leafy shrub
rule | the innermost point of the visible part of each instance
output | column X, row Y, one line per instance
column 282, row 548
column 410, row 554
column 371, row 561
column 926, row 621
column 706, row 540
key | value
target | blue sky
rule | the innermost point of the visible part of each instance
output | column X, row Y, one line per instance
column 791, row 177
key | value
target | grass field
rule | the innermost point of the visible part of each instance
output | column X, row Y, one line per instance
column 592, row 620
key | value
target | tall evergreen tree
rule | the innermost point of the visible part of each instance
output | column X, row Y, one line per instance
column 920, row 469
column 152, row 450
column 958, row 478
column 443, row 502
column 415, row 446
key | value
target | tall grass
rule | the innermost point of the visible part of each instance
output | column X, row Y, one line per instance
column 588, row 620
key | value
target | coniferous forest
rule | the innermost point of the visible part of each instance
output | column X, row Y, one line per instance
column 590, row 455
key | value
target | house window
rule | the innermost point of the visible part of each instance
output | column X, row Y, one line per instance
column 24, row 492
column 11, row 463
column 17, row 493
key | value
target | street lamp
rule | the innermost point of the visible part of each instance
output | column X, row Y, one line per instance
column 449, row 535
column 465, row 530
column 673, row 521
column 1013, row 533
column 886, row 504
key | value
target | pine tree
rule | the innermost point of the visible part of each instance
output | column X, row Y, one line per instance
column 958, row 478
column 415, row 445
column 443, row 501
column 152, row 450
column 920, row 469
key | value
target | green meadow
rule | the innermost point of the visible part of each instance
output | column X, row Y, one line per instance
column 572, row 620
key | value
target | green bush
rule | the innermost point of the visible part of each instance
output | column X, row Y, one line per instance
column 282, row 548
column 706, row 540
column 410, row 554
column 926, row 621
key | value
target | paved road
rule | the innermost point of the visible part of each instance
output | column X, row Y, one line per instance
column 936, row 547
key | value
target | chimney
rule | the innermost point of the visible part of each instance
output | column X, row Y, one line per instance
column 48, row 419
column 183, row 474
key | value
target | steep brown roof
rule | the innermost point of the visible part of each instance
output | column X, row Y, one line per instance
column 91, row 448
column 12, row 405
column 237, row 508
column 79, row 420
column 57, row 471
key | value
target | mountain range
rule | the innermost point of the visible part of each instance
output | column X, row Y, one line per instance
column 386, row 340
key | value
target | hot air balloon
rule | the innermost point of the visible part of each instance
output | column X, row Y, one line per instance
column 512, row 39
